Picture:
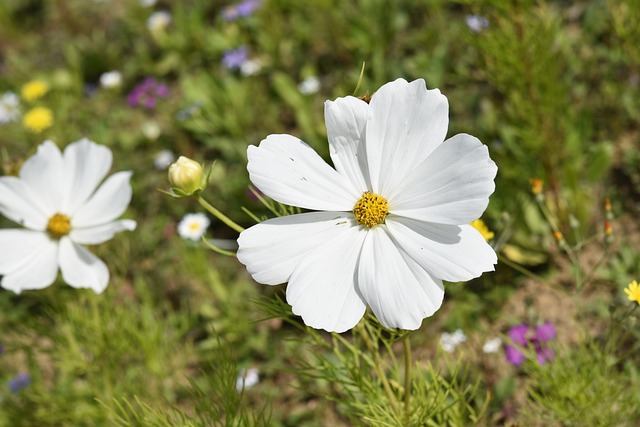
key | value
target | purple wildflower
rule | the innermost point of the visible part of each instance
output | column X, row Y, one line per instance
column 19, row 382
column 545, row 332
column 146, row 93
column 234, row 58
column 523, row 335
column 240, row 10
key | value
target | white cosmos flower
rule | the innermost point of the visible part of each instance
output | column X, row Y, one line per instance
column 56, row 200
column 392, row 217
column 193, row 226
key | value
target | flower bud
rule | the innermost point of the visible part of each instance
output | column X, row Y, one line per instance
column 186, row 176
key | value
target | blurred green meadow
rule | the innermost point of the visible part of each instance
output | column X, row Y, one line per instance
column 553, row 89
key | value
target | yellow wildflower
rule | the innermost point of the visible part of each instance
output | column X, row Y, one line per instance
column 479, row 225
column 34, row 90
column 537, row 185
column 38, row 119
column 633, row 292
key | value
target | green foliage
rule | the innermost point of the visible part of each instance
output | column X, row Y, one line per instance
column 584, row 383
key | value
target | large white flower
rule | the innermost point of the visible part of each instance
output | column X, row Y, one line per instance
column 56, row 201
column 392, row 218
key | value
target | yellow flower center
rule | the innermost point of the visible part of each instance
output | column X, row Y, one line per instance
column 59, row 225
column 371, row 209
column 479, row 225
column 194, row 226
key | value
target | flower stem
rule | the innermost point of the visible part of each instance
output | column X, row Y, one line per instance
column 376, row 360
column 222, row 217
column 407, row 375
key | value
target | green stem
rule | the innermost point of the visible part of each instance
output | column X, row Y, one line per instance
column 407, row 375
column 222, row 217
column 376, row 361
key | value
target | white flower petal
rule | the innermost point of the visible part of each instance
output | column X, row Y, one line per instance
column 80, row 268
column 272, row 249
column 406, row 123
column 449, row 252
column 30, row 260
column 108, row 202
column 346, row 119
column 44, row 174
column 290, row 172
column 20, row 205
column 400, row 292
column 452, row 186
column 86, row 164
column 101, row 233
column 322, row 288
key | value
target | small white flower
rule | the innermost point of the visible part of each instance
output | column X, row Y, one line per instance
column 492, row 345
column 449, row 342
column 159, row 21
column 250, row 67
column 247, row 378
column 9, row 107
column 477, row 23
column 193, row 226
column 56, row 200
column 111, row 79
column 163, row 159
column 391, row 221
column 309, row 85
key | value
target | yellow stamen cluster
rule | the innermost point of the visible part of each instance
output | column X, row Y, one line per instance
column 371, row 209
column 59, row 225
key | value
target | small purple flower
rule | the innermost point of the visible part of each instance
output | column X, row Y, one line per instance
column 234, row 58
column 513, row 355
column 240, row 10
column 518, row 334
column 19, row 382
column 523, row 335
column 146, row 93
column 545, row 332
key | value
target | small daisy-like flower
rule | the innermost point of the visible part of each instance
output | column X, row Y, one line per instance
column 477, row 23
column 391, row 221
column 247, row 378
column 250, row 67
column 492, row 345
column 479, row 225
column 633, row 292
column 159, row 21
column 309, row 85
column 193, row 226
column 163, row 159
column 9, row 104
column 56, row 200
column 34, row 89
column 111, row 79
column 449, row 341
column 38, row 119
